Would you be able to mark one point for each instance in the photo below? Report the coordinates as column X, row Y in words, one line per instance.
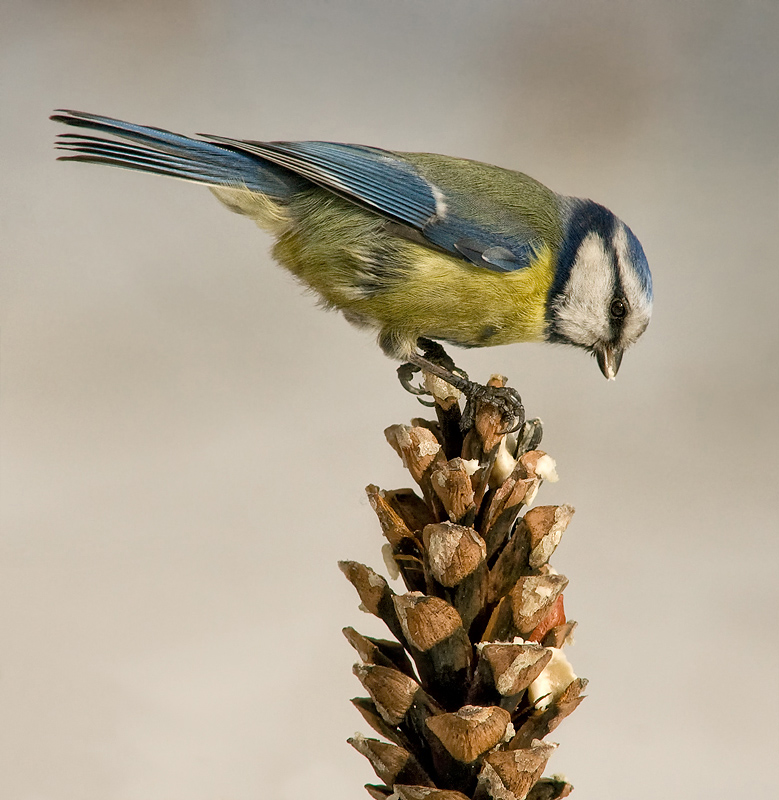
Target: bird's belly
column 447, row 298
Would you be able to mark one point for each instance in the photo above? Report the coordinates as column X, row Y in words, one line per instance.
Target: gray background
column 186, row 438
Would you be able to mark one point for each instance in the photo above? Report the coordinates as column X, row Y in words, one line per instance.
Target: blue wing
column 378, row 180
column 388, row 185
column 367, row 175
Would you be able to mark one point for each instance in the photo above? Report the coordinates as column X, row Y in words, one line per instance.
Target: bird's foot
column 505, row 399
column 437, row 362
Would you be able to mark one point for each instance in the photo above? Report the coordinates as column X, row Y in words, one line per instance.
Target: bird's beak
column 609, row 359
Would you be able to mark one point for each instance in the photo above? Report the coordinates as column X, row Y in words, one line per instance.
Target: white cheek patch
column 583, row 317
column 639, row 302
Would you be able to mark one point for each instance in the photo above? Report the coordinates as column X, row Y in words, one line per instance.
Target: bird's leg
column 437, row 362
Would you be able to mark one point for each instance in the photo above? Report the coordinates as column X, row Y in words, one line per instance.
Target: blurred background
column 186, row 437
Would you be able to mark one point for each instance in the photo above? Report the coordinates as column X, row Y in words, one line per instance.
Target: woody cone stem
column 475, row 677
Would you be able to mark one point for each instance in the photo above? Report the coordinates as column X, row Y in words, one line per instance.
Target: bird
column 424, row 249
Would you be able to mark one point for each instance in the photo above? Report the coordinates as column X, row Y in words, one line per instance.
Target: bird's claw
column 406, row 374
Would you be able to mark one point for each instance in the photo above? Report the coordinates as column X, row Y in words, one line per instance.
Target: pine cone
column 475, row 677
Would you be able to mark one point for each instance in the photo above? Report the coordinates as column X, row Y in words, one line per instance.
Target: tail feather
column 165, row 153
column 93, row 150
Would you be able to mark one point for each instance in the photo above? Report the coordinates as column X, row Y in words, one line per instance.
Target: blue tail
column 164, row 153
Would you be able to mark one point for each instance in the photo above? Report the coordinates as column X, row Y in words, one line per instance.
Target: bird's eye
column 619, row 308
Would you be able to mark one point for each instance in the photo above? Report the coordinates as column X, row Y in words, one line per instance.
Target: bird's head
column 601, row 296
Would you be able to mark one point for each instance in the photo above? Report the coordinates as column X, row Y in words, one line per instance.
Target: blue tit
column 415, row 246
